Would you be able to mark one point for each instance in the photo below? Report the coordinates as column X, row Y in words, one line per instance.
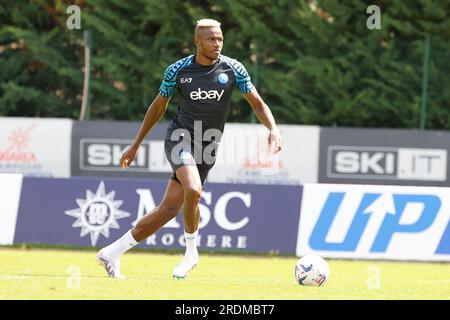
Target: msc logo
column 97, row 213
column 368, row 221
column 386, row 163
column 217, row 213
column 203, row 95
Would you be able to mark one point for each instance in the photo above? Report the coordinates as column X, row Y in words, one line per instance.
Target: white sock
column 120, row 246
column 191, row 243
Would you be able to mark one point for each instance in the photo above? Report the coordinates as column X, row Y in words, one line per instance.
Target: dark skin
column 187, row 192
column 209, row 43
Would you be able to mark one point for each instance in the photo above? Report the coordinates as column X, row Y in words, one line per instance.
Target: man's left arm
column 265, row 116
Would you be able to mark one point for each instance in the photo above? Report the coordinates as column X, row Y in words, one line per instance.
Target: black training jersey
column 205, row 91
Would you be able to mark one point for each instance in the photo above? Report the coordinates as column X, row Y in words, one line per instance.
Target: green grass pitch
column 74, row 274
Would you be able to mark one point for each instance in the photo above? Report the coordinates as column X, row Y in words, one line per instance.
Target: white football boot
column 112, row 266
column 186, row 264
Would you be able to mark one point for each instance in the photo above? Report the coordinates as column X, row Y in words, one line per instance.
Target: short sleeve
column 169, row 82
column 243, row 80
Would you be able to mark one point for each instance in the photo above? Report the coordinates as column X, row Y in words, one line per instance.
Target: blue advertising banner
column 375, row 222
column 95, row 212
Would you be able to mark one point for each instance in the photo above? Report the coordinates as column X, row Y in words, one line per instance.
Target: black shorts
column 183, row 155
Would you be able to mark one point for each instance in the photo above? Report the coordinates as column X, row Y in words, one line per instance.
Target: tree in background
column 314, row 62
column 40, row 63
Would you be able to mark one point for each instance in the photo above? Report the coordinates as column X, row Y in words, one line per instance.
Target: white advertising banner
column 375, row 222
column 10, row 189
column 35, row 146
column 244, row 157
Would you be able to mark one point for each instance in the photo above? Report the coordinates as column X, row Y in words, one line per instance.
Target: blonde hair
column 207, row 23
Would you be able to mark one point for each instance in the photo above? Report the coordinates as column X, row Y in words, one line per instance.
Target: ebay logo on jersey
column 200, row 94
column 379, row 222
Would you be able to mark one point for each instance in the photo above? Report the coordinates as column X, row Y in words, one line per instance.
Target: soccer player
column 204, row 82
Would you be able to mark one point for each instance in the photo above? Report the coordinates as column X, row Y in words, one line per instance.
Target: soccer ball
column 311, row 270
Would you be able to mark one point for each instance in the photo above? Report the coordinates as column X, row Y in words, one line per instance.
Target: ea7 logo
column 375, row 221
column 186, row 80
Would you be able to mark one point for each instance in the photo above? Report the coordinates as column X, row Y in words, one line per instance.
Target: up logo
column 375, row 221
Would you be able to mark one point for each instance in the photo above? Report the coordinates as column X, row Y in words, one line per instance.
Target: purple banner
column 95, row 212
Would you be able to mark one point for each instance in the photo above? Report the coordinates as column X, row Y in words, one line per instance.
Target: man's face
column 209, row 42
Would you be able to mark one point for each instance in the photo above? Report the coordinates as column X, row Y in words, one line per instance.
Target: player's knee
column 193, row 192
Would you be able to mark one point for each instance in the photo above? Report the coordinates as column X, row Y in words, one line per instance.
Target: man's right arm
column 154, row 112
column 152, row 116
